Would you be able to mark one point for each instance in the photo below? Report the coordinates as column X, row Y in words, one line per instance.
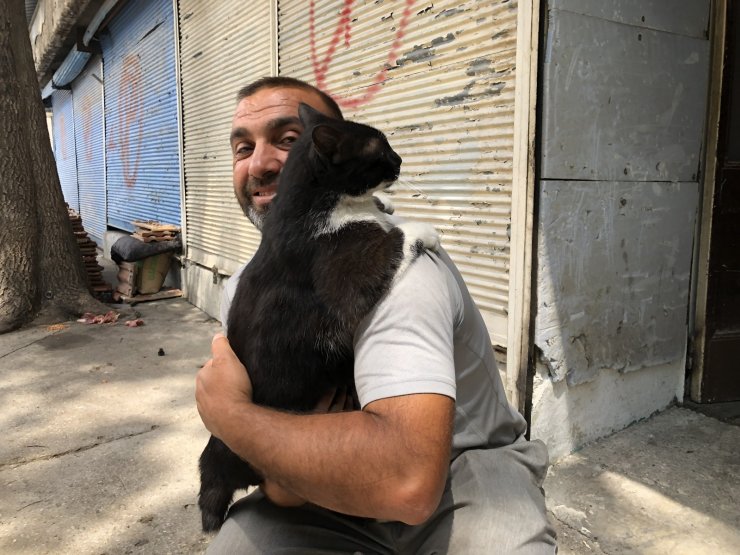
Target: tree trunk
column 41, row 268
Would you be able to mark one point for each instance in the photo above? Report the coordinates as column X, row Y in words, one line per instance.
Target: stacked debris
column 89, row 250
column 154, row 231
column 143, row 262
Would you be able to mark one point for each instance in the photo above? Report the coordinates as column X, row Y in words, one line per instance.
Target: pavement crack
column 31, row 504
column 21, row 462
column 27, row 344
column 579, row 531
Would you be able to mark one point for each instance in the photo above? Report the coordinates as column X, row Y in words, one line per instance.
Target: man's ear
column 326, row 142
column 308, row 115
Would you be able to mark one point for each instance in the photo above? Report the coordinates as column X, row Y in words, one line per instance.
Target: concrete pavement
column 102, row 436
column 102, row 439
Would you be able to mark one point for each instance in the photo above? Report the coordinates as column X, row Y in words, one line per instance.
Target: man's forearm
column 363, row 463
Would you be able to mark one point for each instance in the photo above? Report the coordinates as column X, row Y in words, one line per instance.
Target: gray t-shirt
column 427, row 336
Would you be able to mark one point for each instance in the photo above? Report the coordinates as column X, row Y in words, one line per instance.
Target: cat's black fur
column 301, row 297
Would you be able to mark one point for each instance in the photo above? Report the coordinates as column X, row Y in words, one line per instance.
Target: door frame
column 519, row 346
column 700, row 277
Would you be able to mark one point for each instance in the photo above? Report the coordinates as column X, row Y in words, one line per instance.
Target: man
column 435, row 462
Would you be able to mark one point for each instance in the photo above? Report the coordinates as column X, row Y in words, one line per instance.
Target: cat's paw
column 383, row 202
column 418, row 236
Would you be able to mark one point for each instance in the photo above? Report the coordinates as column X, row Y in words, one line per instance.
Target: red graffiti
column 61, row 126
column 87, row 127
column 344, row 26
column 130, row 127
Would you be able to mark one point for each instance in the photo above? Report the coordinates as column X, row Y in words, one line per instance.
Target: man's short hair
column 281, row 82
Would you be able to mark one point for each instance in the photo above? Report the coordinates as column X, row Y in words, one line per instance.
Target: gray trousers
column 493, row 503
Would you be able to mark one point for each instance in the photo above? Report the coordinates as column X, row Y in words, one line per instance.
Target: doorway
column 716, row 376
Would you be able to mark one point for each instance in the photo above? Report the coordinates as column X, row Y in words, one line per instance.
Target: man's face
column 264, row 128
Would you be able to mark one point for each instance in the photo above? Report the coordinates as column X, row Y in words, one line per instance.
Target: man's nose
column 264, row 161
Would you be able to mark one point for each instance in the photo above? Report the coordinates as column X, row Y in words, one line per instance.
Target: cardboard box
column 151, row 271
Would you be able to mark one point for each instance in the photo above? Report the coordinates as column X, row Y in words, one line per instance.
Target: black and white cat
column 328, row 255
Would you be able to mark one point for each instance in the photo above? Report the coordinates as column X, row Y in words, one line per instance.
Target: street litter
column 109, row 317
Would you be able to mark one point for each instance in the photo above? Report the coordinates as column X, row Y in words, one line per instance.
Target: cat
column 329, row 252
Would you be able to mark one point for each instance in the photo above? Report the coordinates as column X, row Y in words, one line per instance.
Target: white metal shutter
column 222, row 48
column 446, row 103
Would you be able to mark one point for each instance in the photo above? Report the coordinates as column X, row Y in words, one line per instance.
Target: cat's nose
column 395, row 158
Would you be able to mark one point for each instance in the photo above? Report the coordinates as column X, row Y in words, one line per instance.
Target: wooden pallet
column 155, row 226
column 154, row 236
column 135, row 299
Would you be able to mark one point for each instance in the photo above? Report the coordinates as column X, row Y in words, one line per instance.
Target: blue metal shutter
column 141, row 128
column 88, row 111
column 64, row 145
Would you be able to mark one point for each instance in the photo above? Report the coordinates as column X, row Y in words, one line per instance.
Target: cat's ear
column 326, row 141
column 308, row 115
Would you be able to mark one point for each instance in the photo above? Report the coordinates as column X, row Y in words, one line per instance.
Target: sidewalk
column 102, row 439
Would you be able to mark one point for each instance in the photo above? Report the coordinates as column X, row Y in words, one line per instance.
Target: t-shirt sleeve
column 405, row 345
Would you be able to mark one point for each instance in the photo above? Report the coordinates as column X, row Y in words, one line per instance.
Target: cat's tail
column 221, row 473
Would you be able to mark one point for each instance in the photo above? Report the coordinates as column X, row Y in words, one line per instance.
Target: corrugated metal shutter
column 63, row 124
column 141, row 128
column 219, row 54
column 89, row 142
column 446, row 102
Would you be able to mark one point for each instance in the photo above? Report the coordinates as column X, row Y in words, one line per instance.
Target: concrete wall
column 201, row 290
column 53, row 31
column 624, row 96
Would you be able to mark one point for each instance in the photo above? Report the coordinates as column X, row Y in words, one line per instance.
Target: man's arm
column 388, row 461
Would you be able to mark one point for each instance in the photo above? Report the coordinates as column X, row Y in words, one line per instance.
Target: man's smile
column 263, row 195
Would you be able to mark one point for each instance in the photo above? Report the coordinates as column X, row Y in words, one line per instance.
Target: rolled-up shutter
column 63, row 125
column 220, row 52
column 88, row 107
column 141, row 127
column 438, row 78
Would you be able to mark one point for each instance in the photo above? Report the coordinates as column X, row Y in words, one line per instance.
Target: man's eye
column 243, row 150
column 288, row 140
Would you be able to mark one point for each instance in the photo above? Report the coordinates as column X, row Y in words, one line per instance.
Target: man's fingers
column 220, row 346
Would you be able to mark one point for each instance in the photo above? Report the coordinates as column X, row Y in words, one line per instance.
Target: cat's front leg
column 417, row 236
column 383, row 202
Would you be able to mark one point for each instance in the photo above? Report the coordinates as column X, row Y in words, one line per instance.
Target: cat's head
column 348, row 157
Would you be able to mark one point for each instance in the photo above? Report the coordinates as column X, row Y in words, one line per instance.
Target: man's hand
column 221, row 386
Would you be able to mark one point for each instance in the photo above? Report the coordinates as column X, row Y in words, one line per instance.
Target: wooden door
column 721, row 365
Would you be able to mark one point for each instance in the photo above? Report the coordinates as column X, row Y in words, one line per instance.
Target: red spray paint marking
column 344, row 25
column 87, row 127
column 129, row 115
column 62, row 127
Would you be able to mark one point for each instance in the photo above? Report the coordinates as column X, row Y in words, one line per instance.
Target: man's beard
column 257, row 217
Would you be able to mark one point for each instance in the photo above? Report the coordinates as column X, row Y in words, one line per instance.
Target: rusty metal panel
column 89, row 139
column 614, row 266
column 142, row 149
column 691, row 18
column 63, row 125
column 621, row 102
column 438, row 78
column 219, row 54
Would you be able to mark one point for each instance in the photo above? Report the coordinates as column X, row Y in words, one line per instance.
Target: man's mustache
column 255, row 182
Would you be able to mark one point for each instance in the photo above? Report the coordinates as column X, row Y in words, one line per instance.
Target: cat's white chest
column 353, row 209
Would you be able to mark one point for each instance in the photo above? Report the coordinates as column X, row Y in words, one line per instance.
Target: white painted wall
column 623, row 116
column 201, row 291
column 566, row 418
